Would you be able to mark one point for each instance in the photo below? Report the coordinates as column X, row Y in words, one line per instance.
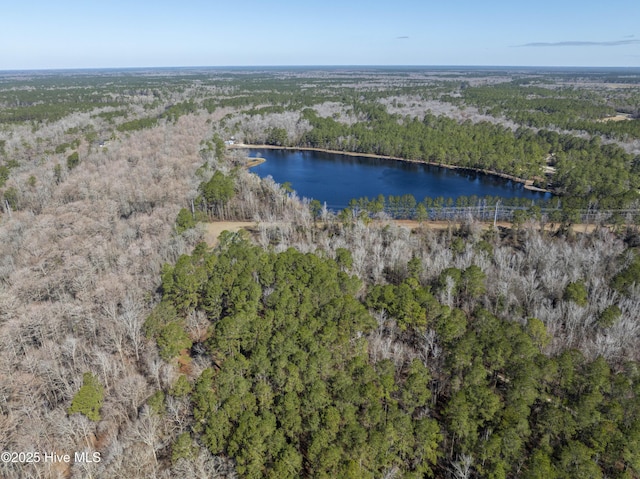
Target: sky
column 43, row 34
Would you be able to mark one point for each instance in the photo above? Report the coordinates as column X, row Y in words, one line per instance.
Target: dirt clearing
column 213, row 230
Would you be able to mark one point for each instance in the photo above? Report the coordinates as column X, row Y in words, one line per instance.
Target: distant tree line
column 565, row 108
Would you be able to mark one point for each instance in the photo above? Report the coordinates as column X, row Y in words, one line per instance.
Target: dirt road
column 213, row 230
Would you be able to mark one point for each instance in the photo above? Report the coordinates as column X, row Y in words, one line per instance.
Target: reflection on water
column 336, row 179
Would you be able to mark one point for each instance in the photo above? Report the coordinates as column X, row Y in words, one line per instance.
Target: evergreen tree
column 88, row 400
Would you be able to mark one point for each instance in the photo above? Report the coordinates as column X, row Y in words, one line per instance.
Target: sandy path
column 213, row 230
column 443, row 225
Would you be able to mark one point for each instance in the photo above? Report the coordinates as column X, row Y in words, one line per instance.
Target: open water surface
column 336, row 179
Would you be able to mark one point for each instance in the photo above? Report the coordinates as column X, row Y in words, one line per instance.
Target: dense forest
column 297, row 386
column 316, row 343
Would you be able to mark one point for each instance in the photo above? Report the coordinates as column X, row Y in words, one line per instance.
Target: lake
column 336, row 179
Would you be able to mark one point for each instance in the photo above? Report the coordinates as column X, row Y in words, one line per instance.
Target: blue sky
column 37, row 34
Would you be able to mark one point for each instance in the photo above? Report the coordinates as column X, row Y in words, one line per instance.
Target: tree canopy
column 292, row 388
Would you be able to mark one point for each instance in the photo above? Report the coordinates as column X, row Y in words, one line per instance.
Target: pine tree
column 88, row 400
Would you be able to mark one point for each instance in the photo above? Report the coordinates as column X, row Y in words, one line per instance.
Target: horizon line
column 309, row 66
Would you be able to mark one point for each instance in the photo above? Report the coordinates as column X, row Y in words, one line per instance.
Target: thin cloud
column 401, row 38
column 614, row 43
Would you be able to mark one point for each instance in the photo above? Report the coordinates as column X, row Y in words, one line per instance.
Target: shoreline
column 527, row 184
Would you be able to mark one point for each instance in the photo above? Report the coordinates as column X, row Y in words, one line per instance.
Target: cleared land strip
column 213, row 230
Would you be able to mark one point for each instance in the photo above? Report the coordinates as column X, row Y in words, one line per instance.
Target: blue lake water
column 336, row 179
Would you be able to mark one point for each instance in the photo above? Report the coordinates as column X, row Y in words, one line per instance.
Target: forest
column 316, row 343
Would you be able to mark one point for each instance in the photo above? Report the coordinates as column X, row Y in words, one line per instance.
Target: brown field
column 618, row 117
column 213, row 230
